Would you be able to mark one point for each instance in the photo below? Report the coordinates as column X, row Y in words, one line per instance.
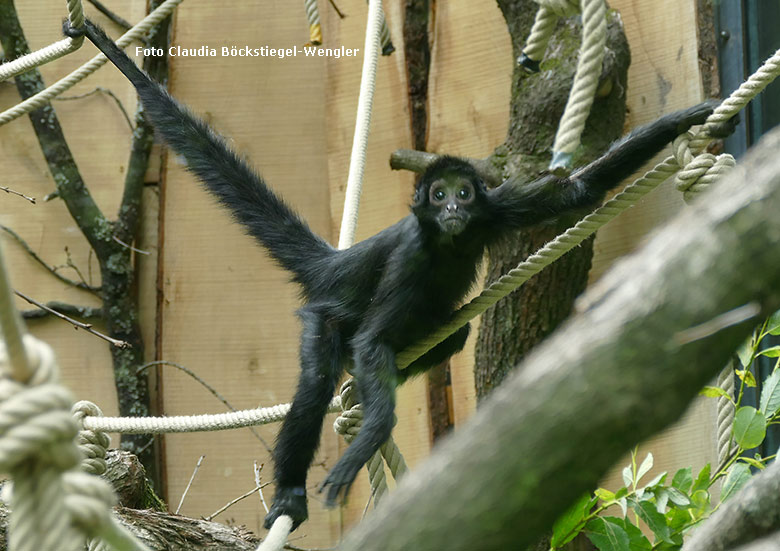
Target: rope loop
column 93, row 444
column 697, row 171
column 350, row 419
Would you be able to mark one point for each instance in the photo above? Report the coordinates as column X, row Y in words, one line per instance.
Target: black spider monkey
column 374, row 299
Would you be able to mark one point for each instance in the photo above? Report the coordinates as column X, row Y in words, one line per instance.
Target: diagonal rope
column 51, row 52
column 588, row 225
column 45, row 96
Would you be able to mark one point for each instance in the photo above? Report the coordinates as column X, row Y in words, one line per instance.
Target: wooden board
column 228, row 313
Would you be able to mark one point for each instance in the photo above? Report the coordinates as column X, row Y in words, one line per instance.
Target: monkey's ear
column 420, row 194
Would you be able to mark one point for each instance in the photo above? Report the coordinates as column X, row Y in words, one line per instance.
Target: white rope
column 586, row 78
column 45, row 96
column 357, row 163
column 51, row 52
column 195, row 423
column 277, row 535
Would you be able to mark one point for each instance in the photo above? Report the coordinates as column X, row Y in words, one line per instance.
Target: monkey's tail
column 228, row 177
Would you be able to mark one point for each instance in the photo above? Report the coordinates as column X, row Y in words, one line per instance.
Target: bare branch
column 52, row 269
column 208, row 387
column 139, row 251
column 83, row 312
column 100, row 90
column 418, row 161
column 234, row 501
column 189, row 484
column 111, row 15
column 75, row 323
column 22, row 195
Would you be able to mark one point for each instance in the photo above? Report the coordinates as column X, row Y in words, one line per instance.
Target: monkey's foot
column 336, row 485
column 290, row 501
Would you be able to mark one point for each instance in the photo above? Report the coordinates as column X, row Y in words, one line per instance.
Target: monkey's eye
column 439, row 195
column 464, row 193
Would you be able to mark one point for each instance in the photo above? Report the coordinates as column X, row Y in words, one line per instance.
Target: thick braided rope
column 594, row 42
column 51, row 52
column 348, row 425
column 726, row 413
column 588, row 225
column 12, row 330
column 313, row 17
column 45, row 96
column 54, row 505
column 194, row 423
column 357, row 164
column 544, row 25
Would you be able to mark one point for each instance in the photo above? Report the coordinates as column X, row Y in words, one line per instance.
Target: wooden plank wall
column 227, row 313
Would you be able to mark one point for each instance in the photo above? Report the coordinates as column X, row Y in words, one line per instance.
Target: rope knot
column 93, row 444
column 35, row 421
column 697, row 172
column 561, row 8
column 350, row 420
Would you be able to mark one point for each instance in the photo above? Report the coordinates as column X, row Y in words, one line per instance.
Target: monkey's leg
column 300, row 433
column 376, row 378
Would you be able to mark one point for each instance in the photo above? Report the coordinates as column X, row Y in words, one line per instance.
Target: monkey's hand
column 336, row 485
column 290, row 501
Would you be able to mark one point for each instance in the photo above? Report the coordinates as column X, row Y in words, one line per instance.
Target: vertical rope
column 313, row 16
column 12, row 329
column 594, row 42
column 357, row 165
column 725, row 415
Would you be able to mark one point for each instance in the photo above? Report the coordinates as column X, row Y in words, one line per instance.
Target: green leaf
column 702, row 479
column 747, row 376
column 773, row 352
column 607, row 536
column 628, row 475
column 604, row 495
column 753, row 463
column 622, row 492
column 636, row 539
column 745, row 352
column 623, row 502
column 749, row 427
column 677, row 497
column 739, row 474
column 770, row 394
column 661, row 499
column 654, row 520
column 683, row 480
column 773, row 325
column 567, row 525
column 714, row 392
column 646, row 465
column 659, row 479
column 700, row 500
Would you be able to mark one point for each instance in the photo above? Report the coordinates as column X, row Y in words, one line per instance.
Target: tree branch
column 418, row 161
column 75, row 323
column 51, row 269
column 83, row 312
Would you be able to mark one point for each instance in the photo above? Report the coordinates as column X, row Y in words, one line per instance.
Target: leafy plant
column 669, row 510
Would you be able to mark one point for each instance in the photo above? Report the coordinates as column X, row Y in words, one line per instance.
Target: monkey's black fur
column 376, row 298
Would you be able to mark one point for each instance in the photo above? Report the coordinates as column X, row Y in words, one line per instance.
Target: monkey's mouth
column 452, row 224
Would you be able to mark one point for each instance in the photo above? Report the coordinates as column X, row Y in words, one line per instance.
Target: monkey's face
column 451, row 199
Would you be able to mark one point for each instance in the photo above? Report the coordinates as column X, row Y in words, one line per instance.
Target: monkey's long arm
column 522, row 205
column 224, row 174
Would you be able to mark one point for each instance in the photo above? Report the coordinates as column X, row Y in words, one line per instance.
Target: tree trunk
column 520, row 321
